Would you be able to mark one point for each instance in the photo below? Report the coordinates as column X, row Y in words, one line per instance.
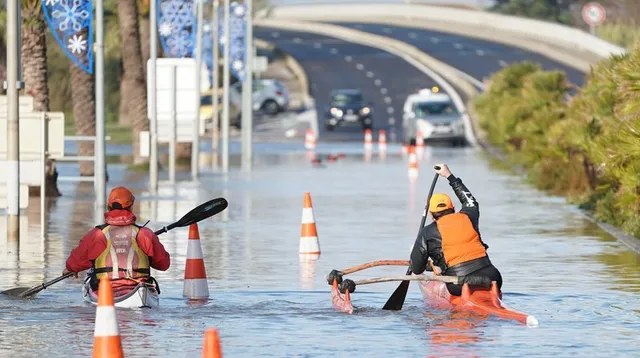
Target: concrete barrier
column 568, row 45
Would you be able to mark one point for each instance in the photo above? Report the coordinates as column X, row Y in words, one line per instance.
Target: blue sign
column 71, row 23
column 207, row 48
column 177, row 27
column 237, row 48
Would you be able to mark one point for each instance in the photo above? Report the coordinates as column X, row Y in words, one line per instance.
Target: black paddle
column 395, row 302
column 204, row 211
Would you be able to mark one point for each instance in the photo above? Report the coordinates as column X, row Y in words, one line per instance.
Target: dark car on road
column 348, row 107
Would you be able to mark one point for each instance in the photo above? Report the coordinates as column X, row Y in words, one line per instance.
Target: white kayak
column 143, row 295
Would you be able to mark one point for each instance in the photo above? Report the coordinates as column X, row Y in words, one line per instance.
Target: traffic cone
column 310, row 139
column 211, row 348
column 195, row 276
column 413, row 165
column 309, row 245
column 368, row 139
column 382, row 140
column 419, row 145
column 106, row 336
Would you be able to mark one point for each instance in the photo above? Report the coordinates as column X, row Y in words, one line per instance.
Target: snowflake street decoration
column 207, row 48
column 71, row 23
column 177, row 27
column 237, row 29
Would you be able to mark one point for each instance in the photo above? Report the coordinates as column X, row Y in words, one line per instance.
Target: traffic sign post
column 593, row 14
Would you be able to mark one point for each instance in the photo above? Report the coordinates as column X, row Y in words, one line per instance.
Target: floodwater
column 580, row 283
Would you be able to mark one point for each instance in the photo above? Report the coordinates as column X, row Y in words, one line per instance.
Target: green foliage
column 549, row 10
column 620, row 33
column 587, row 148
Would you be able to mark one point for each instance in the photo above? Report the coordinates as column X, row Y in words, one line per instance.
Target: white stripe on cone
column 309, row 245
column 307, row 216
column 196, row 288
column 106, row 322
column 194, row 249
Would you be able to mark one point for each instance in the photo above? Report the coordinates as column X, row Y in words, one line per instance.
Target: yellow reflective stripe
column 101, row 261
column 114, row 257
column 143, row 259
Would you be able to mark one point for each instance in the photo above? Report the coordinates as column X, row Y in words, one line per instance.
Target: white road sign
column 593, row 13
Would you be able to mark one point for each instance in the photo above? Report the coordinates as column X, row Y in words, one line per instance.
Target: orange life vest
column 460, row 241
column 122, row 258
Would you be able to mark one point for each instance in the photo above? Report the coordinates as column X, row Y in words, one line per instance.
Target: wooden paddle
column 447, row 279
column 395, row 302
column 204, row 211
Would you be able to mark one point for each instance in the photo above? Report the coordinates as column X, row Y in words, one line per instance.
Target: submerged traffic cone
column 211, row 348
column 195, row 276
column 106, row 336
column 382, row 140
column 413, row 165
column 309, row 245
column 368, row 139
column 310, row 139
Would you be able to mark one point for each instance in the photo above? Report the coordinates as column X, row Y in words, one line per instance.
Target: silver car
column 437, row 118
column 269, row 95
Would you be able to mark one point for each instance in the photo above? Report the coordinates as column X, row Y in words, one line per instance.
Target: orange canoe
column 480, row 300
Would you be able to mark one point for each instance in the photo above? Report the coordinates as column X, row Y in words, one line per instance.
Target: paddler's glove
column 334, row 275
column 347, row 285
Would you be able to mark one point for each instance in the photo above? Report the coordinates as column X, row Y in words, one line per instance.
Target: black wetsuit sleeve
column 427, row 245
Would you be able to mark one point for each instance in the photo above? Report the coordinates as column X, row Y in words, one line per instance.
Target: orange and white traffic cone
column 310, row 139
column 413, row 165
column 368, row 139
column 211, row 348
column 106, row 335
column 309, row 248
column 382, row 140
column 419, row 144
column 195, row 275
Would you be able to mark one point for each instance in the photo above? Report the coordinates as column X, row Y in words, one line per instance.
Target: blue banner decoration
column 177, row 27
column 71, row 23
column 237, row 49
column 207, row 48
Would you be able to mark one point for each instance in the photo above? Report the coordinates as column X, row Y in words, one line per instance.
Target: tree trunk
column 84, row 112
column 183, row 152
column 133, row 73
column 125, row 98
column 35, row 76
column 145, row 41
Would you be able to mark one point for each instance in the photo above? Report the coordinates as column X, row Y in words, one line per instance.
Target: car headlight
column 336, row 112
column 365, row 110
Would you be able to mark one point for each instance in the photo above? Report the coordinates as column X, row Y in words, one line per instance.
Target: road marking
column 387, row 100
column 317, row 45
column 377, row 82
column 387, row 30
column 458, row 46
column 479, row 52
column 383, row 90
column 369, row 74
column 413, row 35
column 390, row 110
column 392, row 121
column 297, row 40
column 275, row 34
column 358, row 26
column 435, row 40
column 503, row 63
column 334, row 50
column 360, row 66
column 348, row 58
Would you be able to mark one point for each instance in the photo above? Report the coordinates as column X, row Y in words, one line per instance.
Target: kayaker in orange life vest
column 452, row 241
column 119, row 249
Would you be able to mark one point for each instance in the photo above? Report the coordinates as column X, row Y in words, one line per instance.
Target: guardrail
column 556, row 34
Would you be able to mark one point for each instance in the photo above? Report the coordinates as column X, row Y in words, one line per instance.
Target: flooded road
column 580, row 283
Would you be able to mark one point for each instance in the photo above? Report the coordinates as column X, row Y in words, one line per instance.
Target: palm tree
column 133, row 81
column 143, row 9
column 34, row 54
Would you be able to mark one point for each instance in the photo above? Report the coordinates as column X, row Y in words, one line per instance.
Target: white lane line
column 369, row 74
column 297, row 40
column 413, row 35
column 334, row 50
column 387, row 30
column 360, row 66
column 387, row 100
column 392, row 121
column 383, row 90
column 390, row 110
column 317, row 45
column 348, row 58
column 458, row 46
column 503, row 63
column 275, row 34
column 435, row 40
column 480, row 52
column 377, row 82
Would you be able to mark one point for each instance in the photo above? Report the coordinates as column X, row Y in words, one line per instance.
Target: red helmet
column 120, row 198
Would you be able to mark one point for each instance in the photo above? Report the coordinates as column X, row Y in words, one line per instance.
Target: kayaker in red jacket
column 452, row 241
column 119, row 249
